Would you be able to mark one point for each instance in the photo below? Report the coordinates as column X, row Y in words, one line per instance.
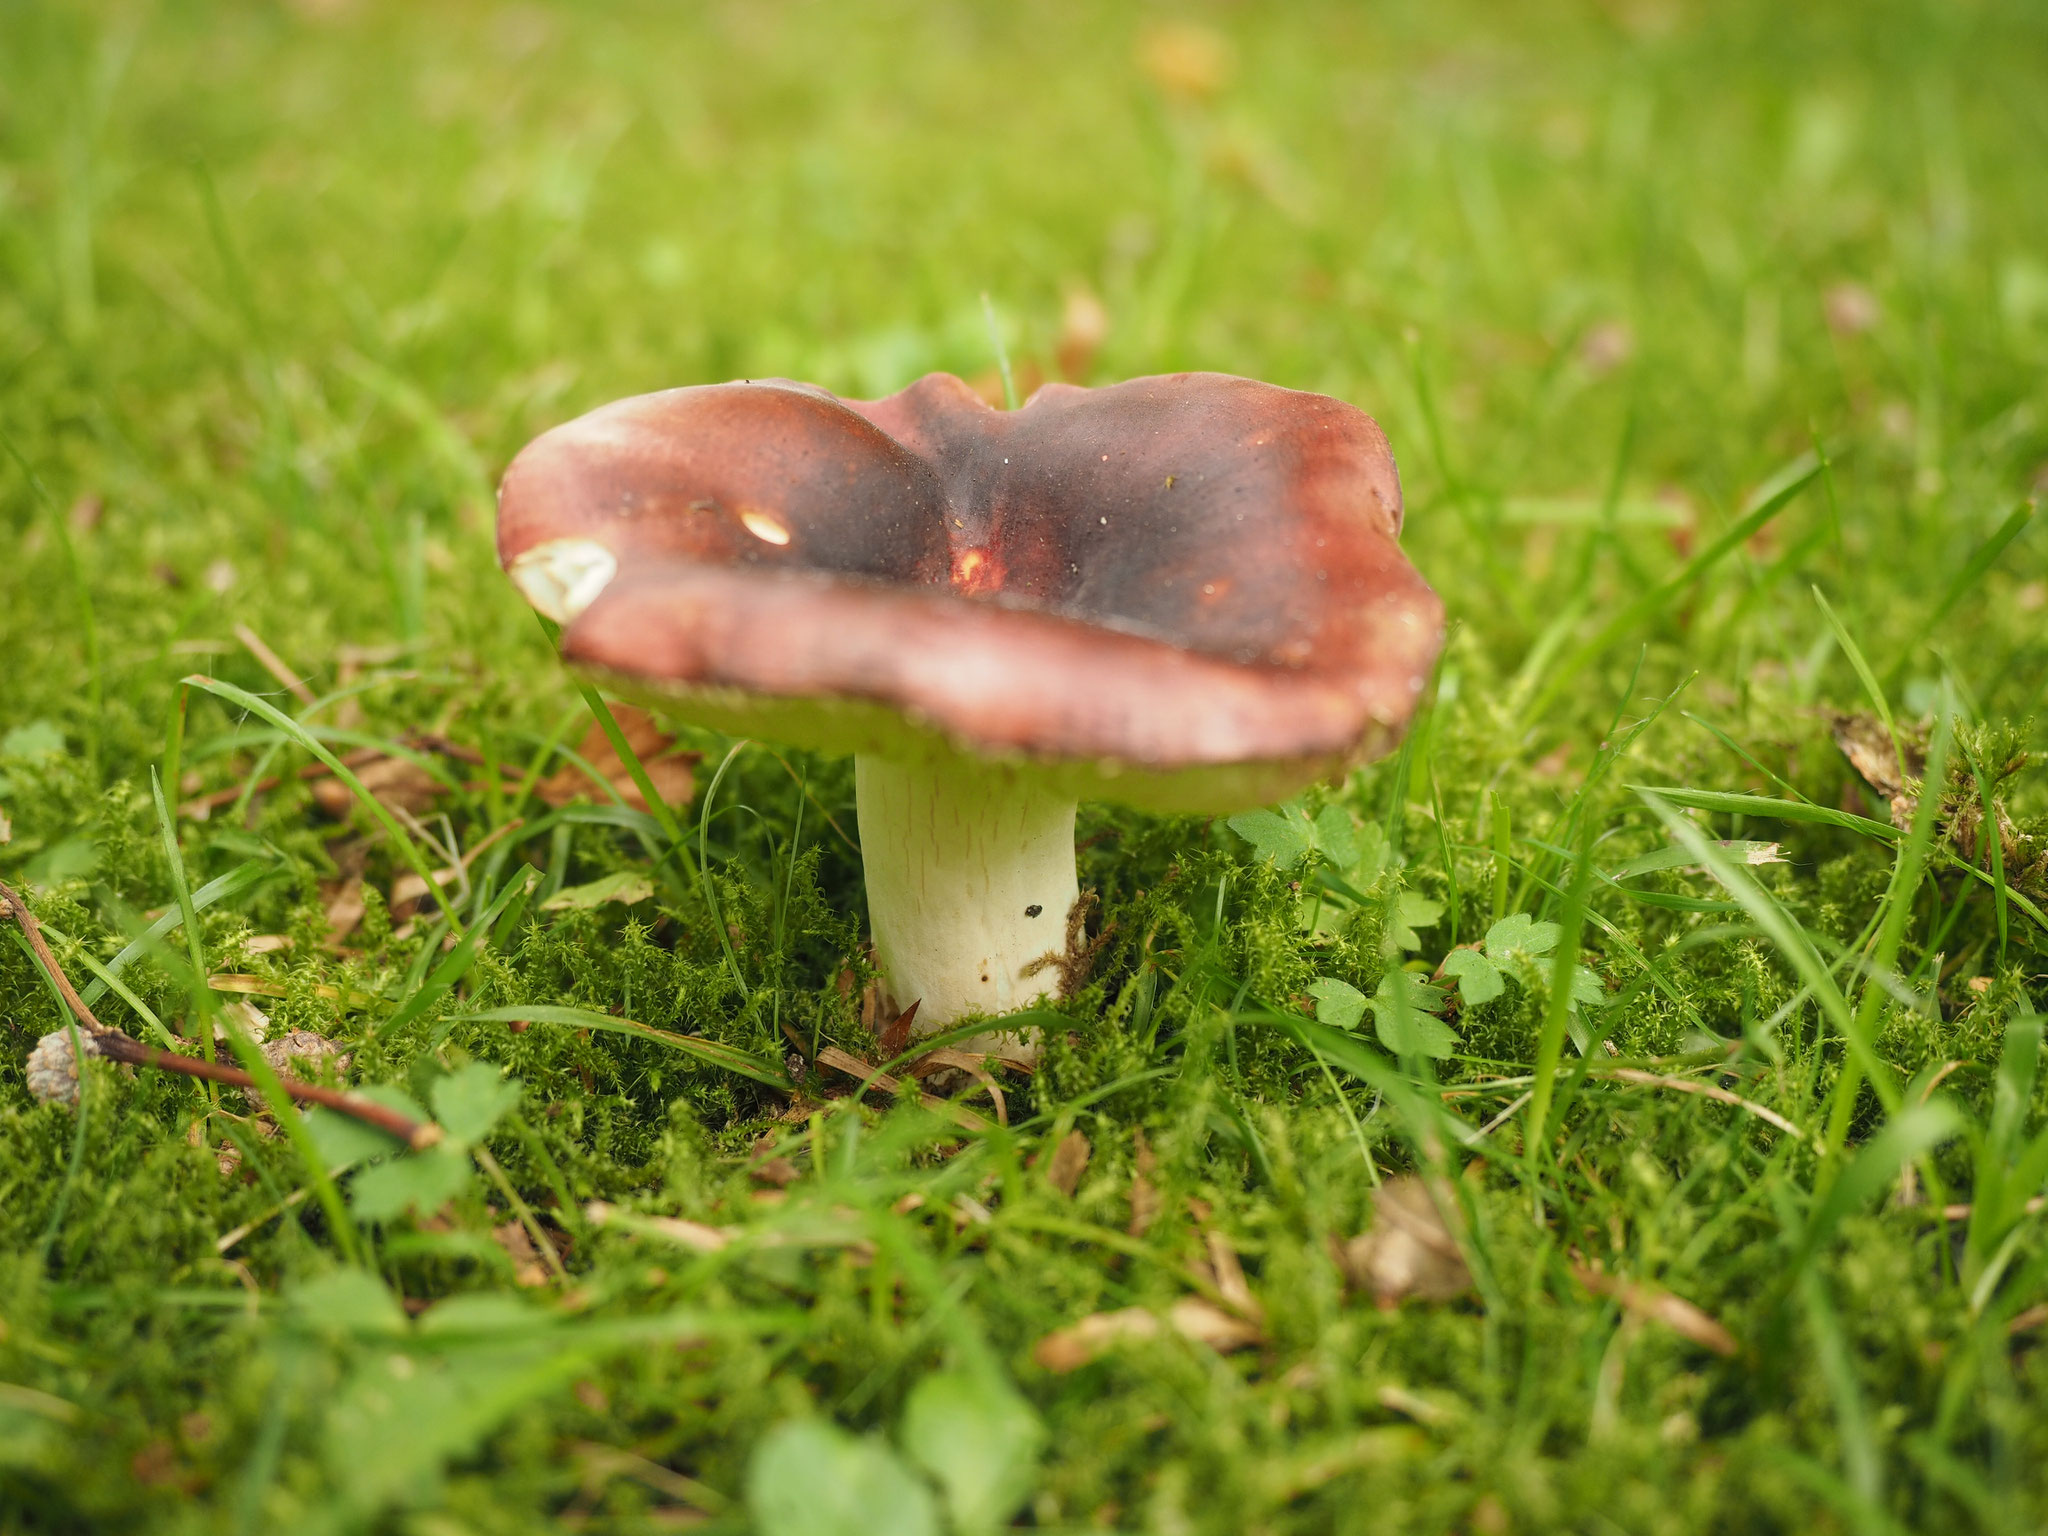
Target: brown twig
column 117, row 1046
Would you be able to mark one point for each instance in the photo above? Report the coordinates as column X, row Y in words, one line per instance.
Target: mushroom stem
column 970, row 875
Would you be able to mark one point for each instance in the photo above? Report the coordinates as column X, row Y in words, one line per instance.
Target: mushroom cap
column 1183, row 592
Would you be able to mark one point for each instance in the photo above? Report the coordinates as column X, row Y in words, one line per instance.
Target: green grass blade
column 1779, row 494
column 1981, row 560
column 718, row 1054
column 1872, row 689
column 1791, row 940
column 1736, row 804
column 237, row 880
column 1550, row 1043
column 1896, row 909
column 400, row 839
column 252, row 1060
column 458, row 961
column 106, row 981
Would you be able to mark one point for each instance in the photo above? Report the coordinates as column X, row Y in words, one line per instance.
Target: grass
column 1712, row 342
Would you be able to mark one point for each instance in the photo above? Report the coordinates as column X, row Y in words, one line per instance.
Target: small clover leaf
column 978, row 1440
column 1286, row 834
column 811, row 1478
column 469, row 1101
column 1336, row 836
column 422, row 1181
column 1520, row 933
column 1283, row 834
column 1587, row 988
column 1401, row 1012
column 1410, row 912
column 1338, row 1003
column 1479, row 979
column 1373, row 858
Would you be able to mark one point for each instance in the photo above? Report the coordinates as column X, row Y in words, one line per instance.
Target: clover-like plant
column 1515, row 949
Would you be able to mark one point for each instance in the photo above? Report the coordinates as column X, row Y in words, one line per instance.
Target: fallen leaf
column 1871, row 751
column 527, row 1269
column 1146, row 1200
column 1230, row 1281
column 1850, row 309
column 673, row 773
column 945, row 1060
column 395, row 781
column 1070, row 1348
column 779, row 1171
column 626, row 888
column 1069, row 1162
column 408, row 890
column 1408, row 1252
column 895, row 1035
column 1207, row 1323
column 687, row 1234
column 242, row 1015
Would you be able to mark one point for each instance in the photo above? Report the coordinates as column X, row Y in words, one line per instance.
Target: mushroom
column 1183, row 593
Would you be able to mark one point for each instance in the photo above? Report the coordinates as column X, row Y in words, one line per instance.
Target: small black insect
column 1033, row 910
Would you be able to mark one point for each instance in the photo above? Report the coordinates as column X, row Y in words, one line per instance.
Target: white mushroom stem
column 970, row 876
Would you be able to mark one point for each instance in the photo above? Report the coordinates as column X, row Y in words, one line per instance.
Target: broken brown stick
column 118, row 1046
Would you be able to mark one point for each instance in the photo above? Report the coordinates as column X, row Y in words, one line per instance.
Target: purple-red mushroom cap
column 1182, row 592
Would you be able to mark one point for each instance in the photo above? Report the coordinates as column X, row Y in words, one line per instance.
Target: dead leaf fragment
column 408, row 890
column 1070, row 1348
column 1146, row 1200
column 769, row 1169
column 397, row 782
column 685, row 1234
column 344, row 908
column 673, row 773
column 1659, row 1306
column 1207, row 1323
column 1069, row 1162
column 1408, row 1252
column 894, row 1035
column 527, row 1269
column 1851, row 309
column 1230, row 1281
column 1880, row 762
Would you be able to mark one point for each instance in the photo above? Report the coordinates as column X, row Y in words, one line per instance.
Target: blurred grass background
column 283, row 286
column 314, row 273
